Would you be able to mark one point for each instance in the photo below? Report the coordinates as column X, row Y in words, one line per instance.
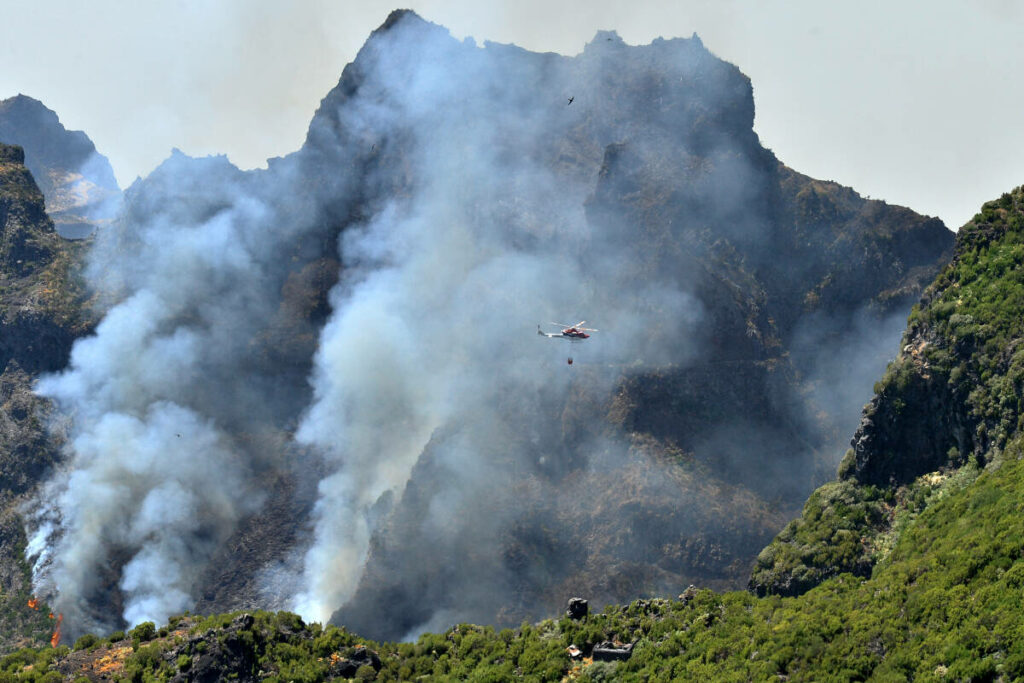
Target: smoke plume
column 157, row 398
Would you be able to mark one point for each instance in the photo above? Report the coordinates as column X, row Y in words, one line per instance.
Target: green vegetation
column 946, row 406
column 977, row 310
column 943, row 604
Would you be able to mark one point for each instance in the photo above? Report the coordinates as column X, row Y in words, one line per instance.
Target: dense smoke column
column 431, row 286
column 156, row 477
column 433, row 323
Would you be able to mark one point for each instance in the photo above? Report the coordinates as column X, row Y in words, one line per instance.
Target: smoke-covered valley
column 319, row 386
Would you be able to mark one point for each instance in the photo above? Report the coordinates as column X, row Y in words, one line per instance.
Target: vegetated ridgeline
column 942, row 533
column 41, row 313
column 951, row 399
column 382, row 414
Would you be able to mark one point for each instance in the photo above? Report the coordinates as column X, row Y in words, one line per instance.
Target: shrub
column 86, row 641
column 142, row 633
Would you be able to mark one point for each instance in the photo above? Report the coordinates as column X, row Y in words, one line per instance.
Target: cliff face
column 950, row 401
column 40, row 308
column 77, row 182
column 40, row 316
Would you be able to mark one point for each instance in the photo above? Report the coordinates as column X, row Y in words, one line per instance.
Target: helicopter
column 573, row 333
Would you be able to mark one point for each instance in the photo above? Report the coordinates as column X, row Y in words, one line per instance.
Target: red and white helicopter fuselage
column 571, row 333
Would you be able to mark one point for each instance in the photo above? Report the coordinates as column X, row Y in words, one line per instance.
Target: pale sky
column 918, row 103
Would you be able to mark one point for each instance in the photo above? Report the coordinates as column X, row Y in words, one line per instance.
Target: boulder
column 577, row 609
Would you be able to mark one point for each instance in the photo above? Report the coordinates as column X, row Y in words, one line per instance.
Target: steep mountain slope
column 319, row 386
column 950, row 400
column 40, row 315
column 77, row 182
column 942, row 601
column 729, row 411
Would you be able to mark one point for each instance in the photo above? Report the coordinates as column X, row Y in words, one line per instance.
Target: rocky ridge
column 783, row 268
column 41, row 313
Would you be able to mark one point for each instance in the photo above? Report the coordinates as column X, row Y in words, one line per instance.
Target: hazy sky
column 918, row 103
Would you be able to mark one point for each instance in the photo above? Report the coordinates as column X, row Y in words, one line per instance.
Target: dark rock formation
column 348, row 667
column 925, row 419
column 608, row 651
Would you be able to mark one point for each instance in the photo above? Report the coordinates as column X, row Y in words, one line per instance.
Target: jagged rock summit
column 76, row 180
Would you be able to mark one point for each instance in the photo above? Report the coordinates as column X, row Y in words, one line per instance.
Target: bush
column 142, row 633
column 86, row 641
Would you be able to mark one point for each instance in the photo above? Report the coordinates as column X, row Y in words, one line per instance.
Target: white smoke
column 434, row 315
column 153, row 484
column 183, row 486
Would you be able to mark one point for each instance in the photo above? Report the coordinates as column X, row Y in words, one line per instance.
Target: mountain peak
column 602, row 37
column 398, row 15
column 23, row 104
column 76, row 180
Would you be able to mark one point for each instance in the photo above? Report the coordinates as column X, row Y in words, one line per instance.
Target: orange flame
column 33, row 603
column 55, row 638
